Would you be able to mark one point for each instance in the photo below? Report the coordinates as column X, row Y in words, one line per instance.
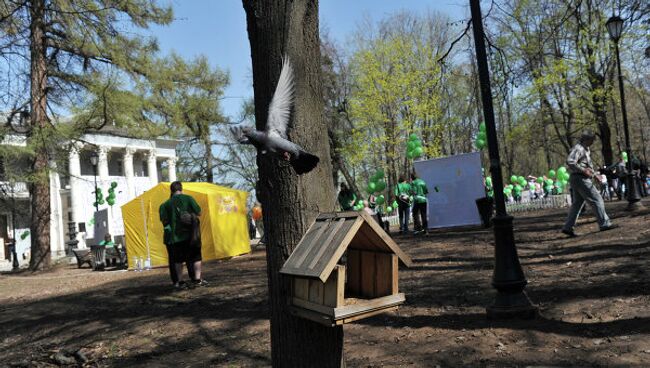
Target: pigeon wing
column 280, row 107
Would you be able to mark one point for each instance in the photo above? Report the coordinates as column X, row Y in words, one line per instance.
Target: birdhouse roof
column 329, row 237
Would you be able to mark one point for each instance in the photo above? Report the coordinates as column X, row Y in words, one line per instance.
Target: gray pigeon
column 274, row 139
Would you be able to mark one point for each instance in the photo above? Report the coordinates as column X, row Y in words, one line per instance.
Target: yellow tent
column 224, row 229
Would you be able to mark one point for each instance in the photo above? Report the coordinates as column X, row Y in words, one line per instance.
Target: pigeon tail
column 305, row 163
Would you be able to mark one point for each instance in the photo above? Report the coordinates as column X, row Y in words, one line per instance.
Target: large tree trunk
column 40, row 188
column 277, row 29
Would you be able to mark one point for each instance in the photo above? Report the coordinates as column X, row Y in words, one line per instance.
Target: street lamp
column 94, row 159
column 508, row 278
column 615, row 29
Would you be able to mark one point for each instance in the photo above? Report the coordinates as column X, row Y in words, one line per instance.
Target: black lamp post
column 508, row 278
column 615, row 29
column 94, row 159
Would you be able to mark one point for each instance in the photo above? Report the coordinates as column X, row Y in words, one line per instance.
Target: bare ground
column 593, row 293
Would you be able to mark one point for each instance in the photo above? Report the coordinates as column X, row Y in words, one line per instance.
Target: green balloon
column 480, row 144
column 417, row 152
column 549, row 182
column 110, row 201
column 24, row 235
column 540, row 179
column 561, row 169
column 394, row 204
column 481, row 127
column 389, row 209
column 371, row 187
column 380, row 200
column 409, row 154
column 488, row 181
column 101, row 201
column 413, row 137
column 551, row 174
column 513, row 179
column 114, row 184
column 410, row 146
column 624, row 156
column 380, row 186
column 482, row 135
column 380, row 173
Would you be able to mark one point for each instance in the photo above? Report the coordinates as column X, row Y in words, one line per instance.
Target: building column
column 102, row 164
column 76, row 196
column 57, row 244
column 128, row 172
column 103, row 184
column 171, row 168
column 152, row 167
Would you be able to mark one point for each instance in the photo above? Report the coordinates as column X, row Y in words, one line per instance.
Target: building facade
column 134, row 165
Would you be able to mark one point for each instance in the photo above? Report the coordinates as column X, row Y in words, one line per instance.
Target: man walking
column 582, row 170
column 420, row 191
column 179, row 215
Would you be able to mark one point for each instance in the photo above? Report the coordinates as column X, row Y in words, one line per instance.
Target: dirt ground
column 593, row 293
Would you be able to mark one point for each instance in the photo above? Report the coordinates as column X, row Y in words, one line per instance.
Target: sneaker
column 181, row 285
column 609, row 227
column 201, row 282
column 570, row 233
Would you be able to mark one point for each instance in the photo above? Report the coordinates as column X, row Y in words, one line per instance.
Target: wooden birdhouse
column 345, row 268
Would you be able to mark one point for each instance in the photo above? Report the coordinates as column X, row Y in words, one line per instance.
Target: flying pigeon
column 274, row 139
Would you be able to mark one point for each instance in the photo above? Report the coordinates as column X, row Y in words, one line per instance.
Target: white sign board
column 454, row 183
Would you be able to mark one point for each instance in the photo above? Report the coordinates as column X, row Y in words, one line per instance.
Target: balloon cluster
column 481, row 137
column 376, row 184
column 519, row 183
column 99, row 196
column 414, row 147
column 488, row 186
column 561, row 179
column 111, row 194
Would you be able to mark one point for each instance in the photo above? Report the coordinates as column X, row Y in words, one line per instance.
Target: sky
column 217, row 29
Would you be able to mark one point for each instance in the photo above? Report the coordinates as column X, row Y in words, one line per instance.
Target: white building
column 134, row 164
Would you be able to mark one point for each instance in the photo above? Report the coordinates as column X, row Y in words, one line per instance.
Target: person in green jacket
column 177, row 236
column 419, row 191
column 346, row 198
column 403, row 195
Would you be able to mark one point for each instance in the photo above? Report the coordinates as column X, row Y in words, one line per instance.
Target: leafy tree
column 59, row 48
column 184, row 96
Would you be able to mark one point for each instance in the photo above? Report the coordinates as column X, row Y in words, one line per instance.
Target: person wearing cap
column 582, row 171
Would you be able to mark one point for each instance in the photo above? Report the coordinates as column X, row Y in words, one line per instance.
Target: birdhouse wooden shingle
column 344, row 268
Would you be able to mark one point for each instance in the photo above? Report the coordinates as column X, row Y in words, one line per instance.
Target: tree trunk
column 209, row 160
column 40, row 188
column 277, row 29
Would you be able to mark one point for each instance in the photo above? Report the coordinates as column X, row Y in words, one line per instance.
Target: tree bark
column 40, row 188
column 276, row 29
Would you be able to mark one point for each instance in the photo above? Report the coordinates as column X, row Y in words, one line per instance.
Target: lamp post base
column 512, row 306
column 633, row 195
column 634, row 206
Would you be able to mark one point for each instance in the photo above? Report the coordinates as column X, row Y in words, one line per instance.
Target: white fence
column 550, row 201
column 526, row 205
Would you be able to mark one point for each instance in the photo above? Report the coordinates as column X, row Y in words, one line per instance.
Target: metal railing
column 550, row 201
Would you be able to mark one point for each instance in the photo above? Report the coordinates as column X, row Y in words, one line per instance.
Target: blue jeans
column 403, row 212
column 585, row 191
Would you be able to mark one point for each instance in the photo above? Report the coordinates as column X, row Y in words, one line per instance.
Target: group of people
column 410, row 195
